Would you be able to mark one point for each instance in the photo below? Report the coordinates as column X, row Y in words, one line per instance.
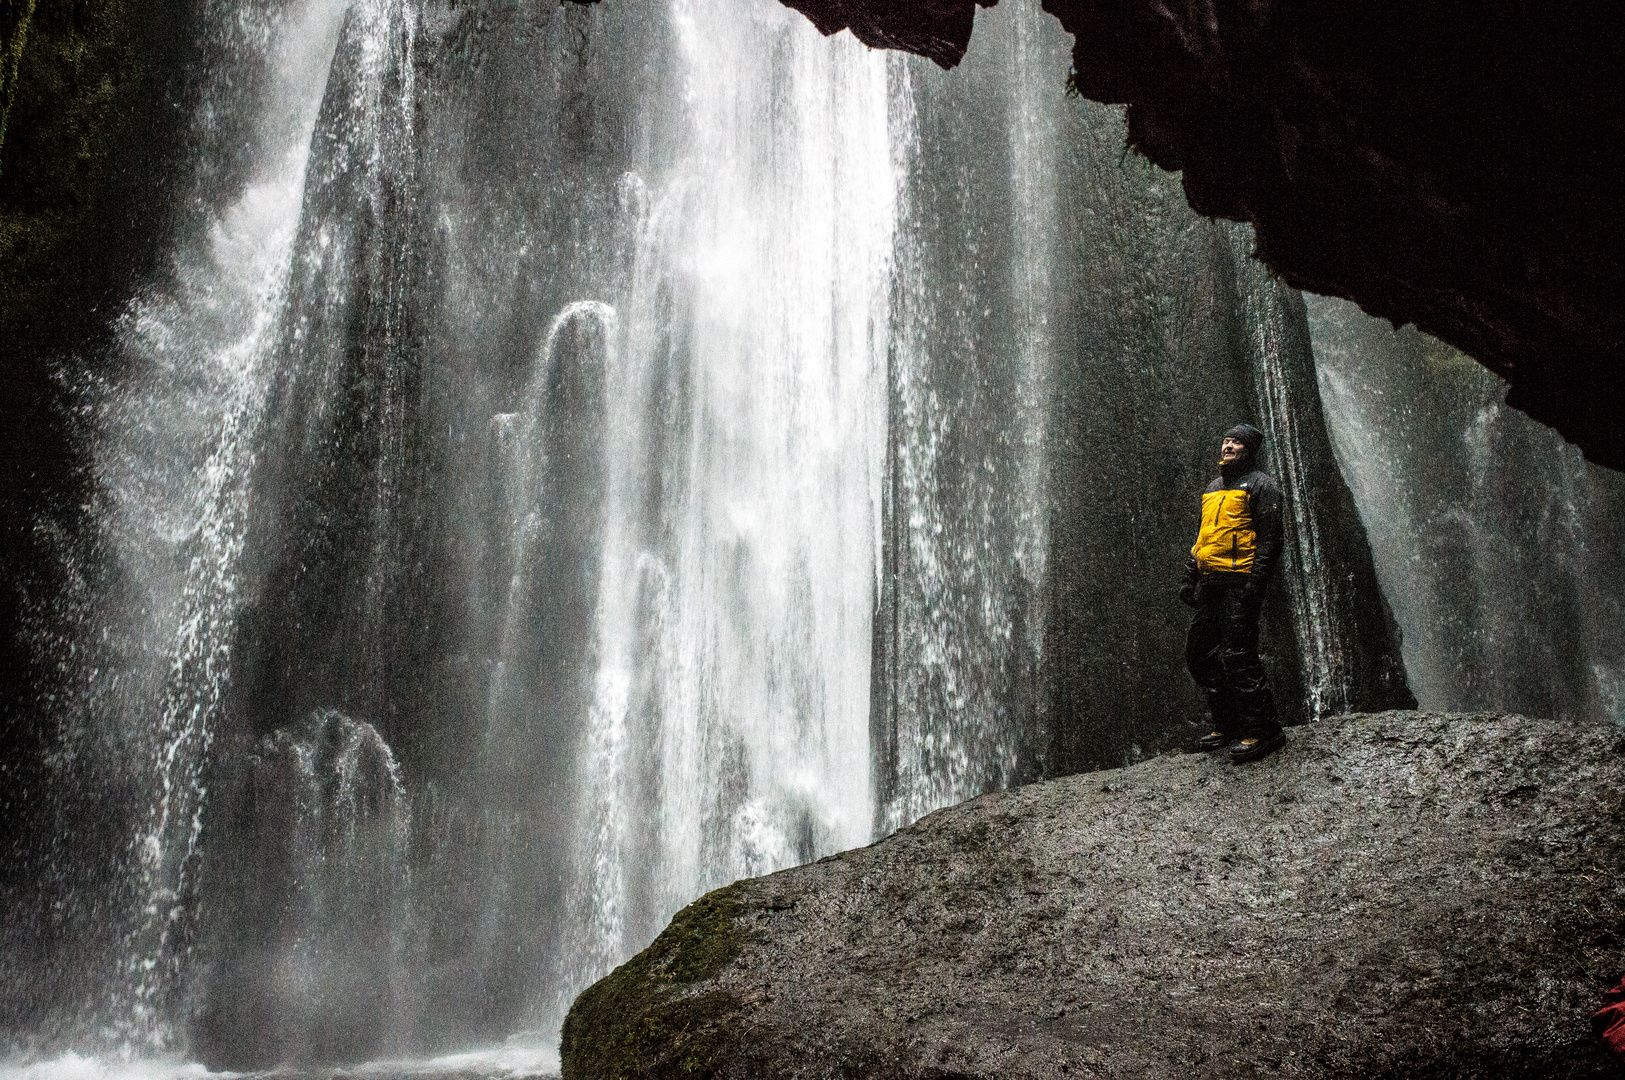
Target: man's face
column 1232, row 449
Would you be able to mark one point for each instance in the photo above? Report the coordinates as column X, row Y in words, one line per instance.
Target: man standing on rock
column 1236, row 551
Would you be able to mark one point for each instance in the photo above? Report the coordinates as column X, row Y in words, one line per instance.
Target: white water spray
column 175, row 457
column 728, row 732
column 1315, row 612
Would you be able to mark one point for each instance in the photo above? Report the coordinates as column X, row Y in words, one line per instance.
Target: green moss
column 1445, row 363
column 15, row 16
column 643, row 1020
column 82, row 128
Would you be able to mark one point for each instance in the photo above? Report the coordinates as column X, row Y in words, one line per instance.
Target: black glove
column 1190, row 592
column 1253, row 591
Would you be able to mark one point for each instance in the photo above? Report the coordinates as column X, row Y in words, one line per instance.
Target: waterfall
column 174, row 452
column 1493, row 539
column 323, row 945
column 1346, row 641
column 1308, row 563
column 963, row 563
column 176, row 444
column 600, row 452
column 727, row 734
column 537, row 455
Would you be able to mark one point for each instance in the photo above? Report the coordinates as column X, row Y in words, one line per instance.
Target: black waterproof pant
column 1221, row 651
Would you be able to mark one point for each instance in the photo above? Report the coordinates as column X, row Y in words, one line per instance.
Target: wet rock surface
column 1394, row 894
column 1438, row 166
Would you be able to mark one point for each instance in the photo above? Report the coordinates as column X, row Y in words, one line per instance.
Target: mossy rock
column 14, row 18
column 669, row 1024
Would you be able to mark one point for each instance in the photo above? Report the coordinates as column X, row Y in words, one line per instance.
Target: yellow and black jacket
column 1241, row 526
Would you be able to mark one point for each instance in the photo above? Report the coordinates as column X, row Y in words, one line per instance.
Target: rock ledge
column 1394, row 895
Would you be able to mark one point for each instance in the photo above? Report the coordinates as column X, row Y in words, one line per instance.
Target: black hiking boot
column 1254, row 747
column 1214, row 739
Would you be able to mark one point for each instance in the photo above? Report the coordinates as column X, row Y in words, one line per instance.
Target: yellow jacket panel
column 1241, row 525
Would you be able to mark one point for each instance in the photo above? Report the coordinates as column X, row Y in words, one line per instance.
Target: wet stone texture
column 1394, row 895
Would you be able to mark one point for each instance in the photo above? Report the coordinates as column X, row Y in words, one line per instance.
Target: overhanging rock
column 1394, row 895
column 1447, row 165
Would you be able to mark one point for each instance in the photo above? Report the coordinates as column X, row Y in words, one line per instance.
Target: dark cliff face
column 936, row 29
column 1454, row 176
column 1157, row 331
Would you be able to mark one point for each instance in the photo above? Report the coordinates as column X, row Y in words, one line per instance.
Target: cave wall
column 15, row 16
column 1181, row 332
column 1069, row 341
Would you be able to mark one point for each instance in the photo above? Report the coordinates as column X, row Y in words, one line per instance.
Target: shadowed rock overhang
column 1452, row 166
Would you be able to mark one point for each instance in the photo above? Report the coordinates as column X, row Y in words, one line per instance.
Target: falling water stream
column 174, row 458
column 727, row 732
column 1271, row 326
column 1496, row 541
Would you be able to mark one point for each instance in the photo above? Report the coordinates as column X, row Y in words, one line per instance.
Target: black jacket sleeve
column 1265, row 503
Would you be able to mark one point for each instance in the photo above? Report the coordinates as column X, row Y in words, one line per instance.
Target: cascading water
column 605, row 452
column 1497, row 543
column 176, row 442
column 1276, row 339
column 325, row 802
column 1346, row 642
column 728, row 729
column 963, row 554
column 174, row 449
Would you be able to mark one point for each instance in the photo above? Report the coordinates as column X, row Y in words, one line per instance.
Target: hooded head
column 1250, row 439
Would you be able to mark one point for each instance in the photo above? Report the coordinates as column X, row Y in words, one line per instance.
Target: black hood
column 1248, row 436
column 1252, row 439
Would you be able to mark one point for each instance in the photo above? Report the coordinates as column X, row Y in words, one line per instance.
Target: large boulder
column 1393, row 895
